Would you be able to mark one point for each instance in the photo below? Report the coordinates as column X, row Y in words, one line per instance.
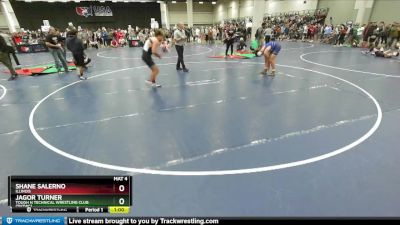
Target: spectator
column 56, row 50
column 6, row 49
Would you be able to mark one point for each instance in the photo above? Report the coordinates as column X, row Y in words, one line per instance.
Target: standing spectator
column 17, row 38
column 230, row 39
column 260, row 35
column 368, row 31
column 188, row 34
column 248, row 33
column 210, row 36
column 56, row 50
column 360, row 32
column 352, row 36
column 394, row 34
column 104, row 36
column 194, row 34
column 268, row 33
column 342, row 34
column 380, row 33
column 206, row 34
column 6, row 49
column 305, row 32
column 198, row 35
column 215, row 33
column 277, row 31
column 61, row 40
column 98, row 37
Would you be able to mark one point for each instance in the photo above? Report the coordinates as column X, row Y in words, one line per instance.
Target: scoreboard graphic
column 64, row 196
column 70, row 194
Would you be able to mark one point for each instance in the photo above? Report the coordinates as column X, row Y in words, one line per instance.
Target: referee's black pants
column 179, row 50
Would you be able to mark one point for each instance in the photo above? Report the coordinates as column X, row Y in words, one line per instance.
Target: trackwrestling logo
column 33, row 220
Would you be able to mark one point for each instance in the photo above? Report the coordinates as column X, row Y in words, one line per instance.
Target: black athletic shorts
column 79, row 59
column 146, row 57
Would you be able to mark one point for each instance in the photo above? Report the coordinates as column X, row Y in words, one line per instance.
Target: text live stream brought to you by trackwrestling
column 43, row 220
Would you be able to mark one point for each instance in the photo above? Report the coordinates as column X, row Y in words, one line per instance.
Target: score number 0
column 121, row 188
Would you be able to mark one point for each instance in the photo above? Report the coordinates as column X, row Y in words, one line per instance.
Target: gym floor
column 319, row 139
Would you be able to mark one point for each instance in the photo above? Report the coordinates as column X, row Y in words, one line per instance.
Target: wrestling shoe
column 264, row 72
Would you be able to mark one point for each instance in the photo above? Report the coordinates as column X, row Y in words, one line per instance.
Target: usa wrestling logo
column 84, row 11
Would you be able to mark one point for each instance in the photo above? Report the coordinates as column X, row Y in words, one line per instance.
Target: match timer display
column 74, row 194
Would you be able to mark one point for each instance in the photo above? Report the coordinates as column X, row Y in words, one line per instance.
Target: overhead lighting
column 102, row 1
column 213, row 3
column 200, row 2
column 158, row 1
column 77, row 1
column 114, row 1
column 28, row 0
column 126, row 1
column 174, row 2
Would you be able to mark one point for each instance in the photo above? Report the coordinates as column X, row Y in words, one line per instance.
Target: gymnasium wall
column 246, row 8
column 386, row 10
column 177, row 13
column 31, row 14
column 220, row 12
column 278, row 6
column 341, row 11
column 3, row 22
column 243, row 8
column 202, row 13
column 225, row 9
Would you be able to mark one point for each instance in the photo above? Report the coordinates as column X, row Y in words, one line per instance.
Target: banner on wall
column 92, row 10
column 32, row 48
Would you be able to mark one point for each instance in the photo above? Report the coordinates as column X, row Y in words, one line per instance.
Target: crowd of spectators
column 311, row 26
column 315, row 27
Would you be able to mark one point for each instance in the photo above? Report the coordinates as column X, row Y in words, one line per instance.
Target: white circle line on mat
column 310, row 46
column 216, row 172
column 4, row 92
column 341, row 68
column 99, row 54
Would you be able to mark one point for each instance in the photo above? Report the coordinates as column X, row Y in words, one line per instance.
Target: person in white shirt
column 180, row 39
column 215, row 34
column 360, row 31
column 305, row 31
column 198, row 35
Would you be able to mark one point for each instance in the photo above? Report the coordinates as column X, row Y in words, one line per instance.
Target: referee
column 180, row 39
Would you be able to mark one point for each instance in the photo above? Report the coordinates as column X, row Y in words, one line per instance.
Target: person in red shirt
column 311, row 31
column 118, row 36
column 17, row 38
